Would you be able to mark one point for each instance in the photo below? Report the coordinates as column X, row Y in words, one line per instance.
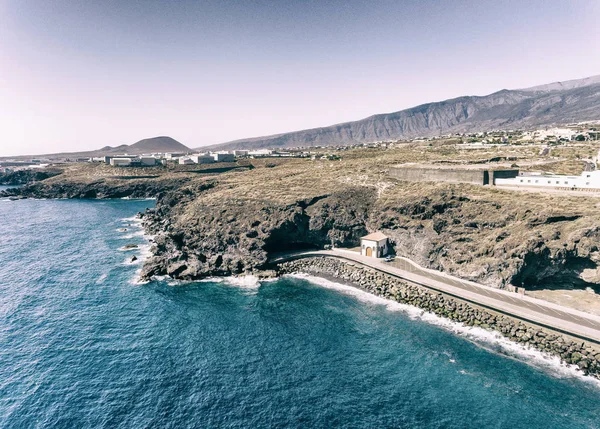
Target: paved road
column 570, row 321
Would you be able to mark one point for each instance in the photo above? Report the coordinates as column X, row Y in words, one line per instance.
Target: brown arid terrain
column 228, row 221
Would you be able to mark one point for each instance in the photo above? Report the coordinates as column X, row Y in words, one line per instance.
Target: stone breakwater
column 385, row 286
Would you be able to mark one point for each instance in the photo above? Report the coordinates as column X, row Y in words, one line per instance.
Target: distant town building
column 120, row 162
column 186, row 161
column 202, row 159
column 224, row 157
column 147, row 161
column 588, row 180
column 260, row 153
column 172, row 155
column 374, row 245
column 240, row 152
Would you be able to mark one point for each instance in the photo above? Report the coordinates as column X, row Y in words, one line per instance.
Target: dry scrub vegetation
column 228, row 222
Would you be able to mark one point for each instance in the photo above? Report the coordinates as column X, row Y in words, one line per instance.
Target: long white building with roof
column 588, row 180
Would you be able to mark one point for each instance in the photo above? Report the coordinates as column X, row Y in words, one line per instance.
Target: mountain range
column 551, row 104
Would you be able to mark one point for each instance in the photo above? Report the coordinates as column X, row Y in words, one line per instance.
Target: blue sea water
column 83, row 345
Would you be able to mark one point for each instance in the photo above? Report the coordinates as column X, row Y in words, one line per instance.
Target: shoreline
column 491, row 341
column 568, row 351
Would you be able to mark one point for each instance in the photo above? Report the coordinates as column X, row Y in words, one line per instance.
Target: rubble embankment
column 586, row 357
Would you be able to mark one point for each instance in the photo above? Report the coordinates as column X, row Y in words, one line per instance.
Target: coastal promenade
column 562, row 319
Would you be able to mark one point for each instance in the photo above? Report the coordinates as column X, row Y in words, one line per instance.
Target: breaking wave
column 490, row 340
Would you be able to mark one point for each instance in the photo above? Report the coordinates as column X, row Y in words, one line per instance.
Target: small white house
column 374, row 245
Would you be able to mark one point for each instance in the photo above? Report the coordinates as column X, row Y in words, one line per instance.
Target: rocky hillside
column 219, row 224
column 496, row 237
column 556, row 103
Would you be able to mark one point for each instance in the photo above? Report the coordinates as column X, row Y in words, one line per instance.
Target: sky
column 79, row 75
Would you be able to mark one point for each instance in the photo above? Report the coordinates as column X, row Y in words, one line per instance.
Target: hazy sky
column 78, row 75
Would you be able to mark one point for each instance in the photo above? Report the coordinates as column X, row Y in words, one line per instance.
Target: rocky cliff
column 232, row 237
column 488, row 239
column 23, row 177
column 228, row 223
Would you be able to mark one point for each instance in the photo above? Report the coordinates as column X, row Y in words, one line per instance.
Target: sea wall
column 584, row 356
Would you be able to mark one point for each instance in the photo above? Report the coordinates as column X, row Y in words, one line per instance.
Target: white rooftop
column 375, row 236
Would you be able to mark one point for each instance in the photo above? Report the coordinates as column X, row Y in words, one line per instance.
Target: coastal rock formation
column 101, row 188
column 231, row 222
column 22, row 177
column 194, row 241
column 492, row 238
column 586, row 357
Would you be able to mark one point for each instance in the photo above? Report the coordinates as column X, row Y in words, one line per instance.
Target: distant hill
column 154, row 144
column 157, row 144
column 555, row 103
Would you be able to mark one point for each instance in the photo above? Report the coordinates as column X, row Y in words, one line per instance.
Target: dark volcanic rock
column 228, row 238
column 100, row 189
column 23, row 177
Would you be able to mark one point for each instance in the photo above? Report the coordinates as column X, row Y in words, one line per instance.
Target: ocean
column 83, row 344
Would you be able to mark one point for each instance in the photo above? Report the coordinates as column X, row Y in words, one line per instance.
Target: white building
column 223, row 157
column 588, row 180
column 120, row 162
column 260, row 152
column 186, row 161
column 240, row 152
column 147, row 161
column 169, row 155
column 374, row 245
column 202, row 159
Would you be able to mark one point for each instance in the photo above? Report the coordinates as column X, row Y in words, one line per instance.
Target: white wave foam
column 132, row 221
column 129, row 249
column 248, row 281
column 490, row 340
column 143, row 250
column 139, row 199
column 243, row 282
column 101, row 279
column 133, row 235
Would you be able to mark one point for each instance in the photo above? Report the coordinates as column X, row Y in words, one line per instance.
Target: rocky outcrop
column 99, row 189
column 586, row 357
column 488, row 240
column 23, row 177
column 497, row 241
column 223, row 238
column 228, row 223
